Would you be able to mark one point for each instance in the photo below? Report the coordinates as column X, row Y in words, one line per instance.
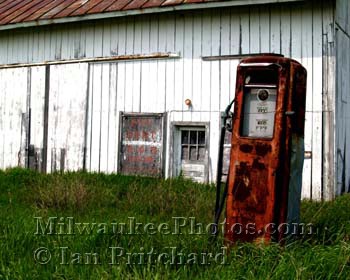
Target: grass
column 114, row 199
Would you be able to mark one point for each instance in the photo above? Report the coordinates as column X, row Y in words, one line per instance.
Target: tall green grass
column 100, row 198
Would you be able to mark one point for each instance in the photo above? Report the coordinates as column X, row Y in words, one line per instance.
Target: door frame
column 175, row 151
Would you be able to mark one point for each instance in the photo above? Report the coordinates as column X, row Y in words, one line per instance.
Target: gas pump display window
column 259, row 105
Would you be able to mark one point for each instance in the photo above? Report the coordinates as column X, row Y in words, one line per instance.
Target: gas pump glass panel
column 259, row 105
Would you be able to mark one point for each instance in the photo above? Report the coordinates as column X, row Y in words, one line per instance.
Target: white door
column 191, row 158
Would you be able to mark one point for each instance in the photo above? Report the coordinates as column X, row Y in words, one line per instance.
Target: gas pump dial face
column 259, row 112
column 263, row 95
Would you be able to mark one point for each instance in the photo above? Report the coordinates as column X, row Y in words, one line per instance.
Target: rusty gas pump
column 263, row 188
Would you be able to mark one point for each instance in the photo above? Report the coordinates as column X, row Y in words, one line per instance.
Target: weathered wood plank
column 57, row 34
column 114, row 38
column 275, row 27
column 88, row 121
column 244, row 30
column 154, row 103
column 78, row 107
column 48, row 54
column 113, row 119
column 179, row 65
column 82, row 43
column 96, row 116
column 170, row 64
column 233, row 73
column 286, row 31
column 18, row 89
column 206, row 65
column 215, row 92
column 129, row 67
column 68, row 86
column 215, row 65
column 197, row 68
column 98, row 40
column 306, row 60
column 106, row 37
column 105, row 107
column 265, row 27
column 37, row 99
column 89, row 40
column 254, row 30
column 161, row 71
column 328, row 101
column 169, row 90
column 3, row 47
column 317, row 104
column 146, row 87
column 137, row 67
column 121, row 67
column 235, row 26
column 188, row 66
column 296, row 33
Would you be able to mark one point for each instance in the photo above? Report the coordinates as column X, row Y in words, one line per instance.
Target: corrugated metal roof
column 16, row 11
column 20, row 13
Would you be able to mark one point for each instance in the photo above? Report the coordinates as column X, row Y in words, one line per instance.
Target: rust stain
column 135, row 4
column 71, row 8
column 258, row 165
column 246, row 148
column 57, row 9
column 153, row 3
column 262, row 149
column 37, row 12
column 27, row 12
column 101, row 6
column 118, row 5
column 85, row 7
column 13, row 12
column 7, row 5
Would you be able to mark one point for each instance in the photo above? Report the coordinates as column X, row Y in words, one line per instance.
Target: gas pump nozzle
column 219, row 204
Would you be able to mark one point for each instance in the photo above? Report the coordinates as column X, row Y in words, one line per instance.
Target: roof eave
column 182, row 7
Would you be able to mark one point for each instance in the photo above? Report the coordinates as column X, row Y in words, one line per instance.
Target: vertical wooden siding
column 13, row 106
column 343, row 96
column 295, row 30
column 66, row 121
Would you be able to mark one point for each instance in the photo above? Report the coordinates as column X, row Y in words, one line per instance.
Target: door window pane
column 184, row 136
column 193, row 137
column 184, row 153
column 201, row 153
column 201, row 137
column 193, row 144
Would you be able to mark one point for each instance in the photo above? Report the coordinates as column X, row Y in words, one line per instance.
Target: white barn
column 101, row 85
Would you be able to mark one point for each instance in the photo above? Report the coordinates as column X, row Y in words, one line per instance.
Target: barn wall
column 294, row 30
column 343, row 96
